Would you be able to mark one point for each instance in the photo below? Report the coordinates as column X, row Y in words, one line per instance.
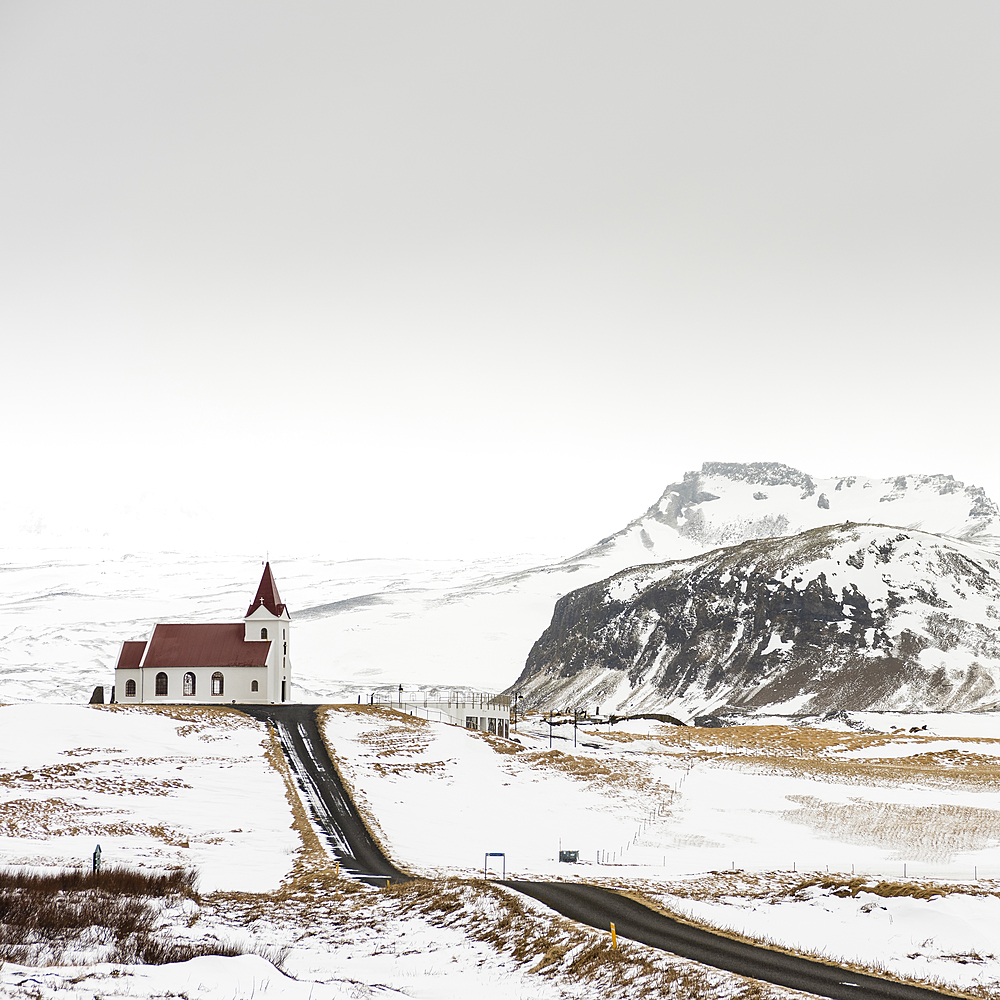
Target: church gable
column 131, row 654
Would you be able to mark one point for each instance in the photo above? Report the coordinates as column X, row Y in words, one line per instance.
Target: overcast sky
column 465, row 278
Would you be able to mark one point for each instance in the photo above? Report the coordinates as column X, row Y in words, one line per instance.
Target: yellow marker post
column 387, row 883
column 614, row 938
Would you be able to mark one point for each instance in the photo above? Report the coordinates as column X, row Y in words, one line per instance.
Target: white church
column 222, row 663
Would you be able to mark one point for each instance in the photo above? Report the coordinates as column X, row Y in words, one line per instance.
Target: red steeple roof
column 267, row 594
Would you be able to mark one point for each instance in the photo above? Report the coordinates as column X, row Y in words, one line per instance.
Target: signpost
column 495, row 854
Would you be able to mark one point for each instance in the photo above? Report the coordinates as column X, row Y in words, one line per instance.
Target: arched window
column 189, row 684
column 263, row 633
column 254, row 686
column 218, row 684
column 130, row 689
column 161, row 684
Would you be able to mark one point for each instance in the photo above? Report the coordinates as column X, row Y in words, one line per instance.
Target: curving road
column 599, row 907
column 351, row 842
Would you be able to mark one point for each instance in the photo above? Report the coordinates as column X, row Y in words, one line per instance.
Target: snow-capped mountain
column 726, row 503
column 365, row 624
column 845, row 617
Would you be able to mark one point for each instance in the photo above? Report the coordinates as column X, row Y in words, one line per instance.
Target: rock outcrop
column 842, row 617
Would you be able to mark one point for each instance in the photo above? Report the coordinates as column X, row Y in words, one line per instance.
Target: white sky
column 451, row 278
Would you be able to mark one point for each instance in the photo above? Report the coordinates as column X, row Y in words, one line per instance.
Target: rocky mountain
column 726, row 503
column 842, row 617
column 364, row 624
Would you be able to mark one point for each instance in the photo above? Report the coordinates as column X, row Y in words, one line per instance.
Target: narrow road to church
column 326, row 797
column 352, row 843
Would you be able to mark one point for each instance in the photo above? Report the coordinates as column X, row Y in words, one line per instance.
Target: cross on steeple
column 267, row 595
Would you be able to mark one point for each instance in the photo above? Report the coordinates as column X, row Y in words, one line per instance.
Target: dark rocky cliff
column 844, row 617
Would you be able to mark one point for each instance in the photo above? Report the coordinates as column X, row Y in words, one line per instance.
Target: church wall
column 281, row 660
column 237, row 682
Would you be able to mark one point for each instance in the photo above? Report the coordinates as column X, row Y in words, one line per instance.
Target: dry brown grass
column 933, row 832
column 75, row 776
column 788, row 741
column 43, row 819
column 63, row 917
column 499, row 745
column 818, row 753
column 885, row 773
column 420, row 767
column 394, row 734
column 199, row 720
column 854, row 886
column 585, row 768
column 776, row 886
column 539, row 940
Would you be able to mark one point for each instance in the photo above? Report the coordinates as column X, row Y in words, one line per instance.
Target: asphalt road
column 331, row 804
column 352, row 843
column 599, row 907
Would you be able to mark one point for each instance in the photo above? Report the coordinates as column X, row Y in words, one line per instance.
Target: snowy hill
column 844, row 617
column 727, row 503
column 364, row 624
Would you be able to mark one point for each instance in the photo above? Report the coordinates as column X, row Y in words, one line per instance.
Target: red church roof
column 204, row 646
column 267, row 594
column 130, row 655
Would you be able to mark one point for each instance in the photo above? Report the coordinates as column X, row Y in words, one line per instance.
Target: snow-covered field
column 654, row 808
column 358, row 625
column 192, row 788
column 162, row 788
column 942, row 932
column 759, row 829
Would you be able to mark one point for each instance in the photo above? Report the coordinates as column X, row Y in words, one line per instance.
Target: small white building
column 488, row 713
column 243, row 662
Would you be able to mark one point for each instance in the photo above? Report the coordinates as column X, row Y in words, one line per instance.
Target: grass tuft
column 78, row 917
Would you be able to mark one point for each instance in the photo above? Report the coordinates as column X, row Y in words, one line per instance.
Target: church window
column 254, row 686
column 161, row 684
column 286, row 649
column 189, row 684
column 263, row 633
column 217, row 683
column 130, row 689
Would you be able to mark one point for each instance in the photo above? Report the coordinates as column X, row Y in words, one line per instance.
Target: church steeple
column 267, row 596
